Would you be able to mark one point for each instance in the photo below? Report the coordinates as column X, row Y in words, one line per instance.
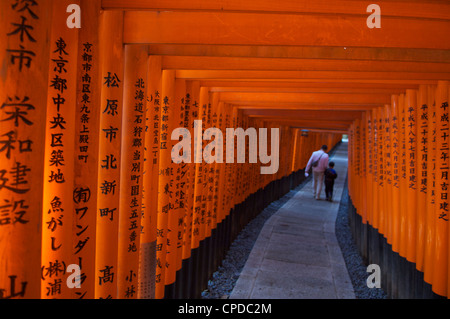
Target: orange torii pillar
column 198, row 211
column 376, row 159
column 402, row 173
column 147, row 264
column 239, row 192
column 362, row 180
column 411, row 168
column 86, row 148
column 209, row 188
column 197, row 187
column 191, row 113
column 369, row 165
column 359, row 196
column 388, row 191
column 220, row 182
column 164, row 181
column 185, row 201
column 395, row 171
column 184, row 266
column 58, row 203
column 214, row 151
column 363, row 169
column 381, row 174
column 23, row 105
column 422, row 162
column 404, row 135
column 357, row 164
column 394, row 207
column 431, row 187
column 440, row 273
column 131, row 168
column 227, row 206
column 109, row 153
column 176, row 215
column 387, row 172
column 210, row 156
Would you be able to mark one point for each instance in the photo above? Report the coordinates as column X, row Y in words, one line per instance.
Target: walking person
column 330, row 176
column 319, row 163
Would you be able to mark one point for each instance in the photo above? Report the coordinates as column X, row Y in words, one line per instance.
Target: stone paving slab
column 296, row 255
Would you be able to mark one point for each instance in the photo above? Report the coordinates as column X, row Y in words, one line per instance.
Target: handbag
column 315, row 163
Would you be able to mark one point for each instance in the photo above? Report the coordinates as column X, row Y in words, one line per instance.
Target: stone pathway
column 296, row 255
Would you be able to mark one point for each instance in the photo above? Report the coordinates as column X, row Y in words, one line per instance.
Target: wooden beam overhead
column 310, row 75
column 286, row 29
column 304, row 114
column 310, row 124
column 302, row 52
column 417, row 9
column 302, row 106
column 310, row 98
column 318, row 130
column 275, row 90
column 274, row 84
column 337, row 123
column 287, row 64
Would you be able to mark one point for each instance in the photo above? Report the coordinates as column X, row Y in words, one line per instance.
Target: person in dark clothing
column 330, row 176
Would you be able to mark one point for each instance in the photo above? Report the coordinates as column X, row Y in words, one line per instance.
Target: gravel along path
column 223, row 280
column 355, row 265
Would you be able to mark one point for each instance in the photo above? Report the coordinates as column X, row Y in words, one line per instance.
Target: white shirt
column 323, row 162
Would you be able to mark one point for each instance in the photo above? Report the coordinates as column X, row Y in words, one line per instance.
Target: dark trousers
column 329, row 189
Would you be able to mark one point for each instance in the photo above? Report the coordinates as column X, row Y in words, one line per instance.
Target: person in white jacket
column 321, row 157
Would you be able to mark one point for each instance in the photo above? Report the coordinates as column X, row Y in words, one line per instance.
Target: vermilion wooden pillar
column 422, row 174
column 166, row 179
column 176, row 214
column 372, row 129
column 363, row 168
column 220, row 167
column 131, row 168
column 109, row 153
column 381, row 176
column 395, row 156
column 440, row 274
column 212, row 167
column 431, row 187
column 198, row 227
column 360, row 167
column 448, row 245
column 226, row 206
column 411, row 172
column 369, row 165
column 403, row 182
column 197, row 179
column 356, row 165
column 58, row 200
column 86, row 147
column 23, row 107
column 147, row 264
column 192, row 107
column 387, row 172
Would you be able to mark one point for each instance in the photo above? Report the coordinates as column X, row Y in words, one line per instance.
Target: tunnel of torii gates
column 92, row 204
